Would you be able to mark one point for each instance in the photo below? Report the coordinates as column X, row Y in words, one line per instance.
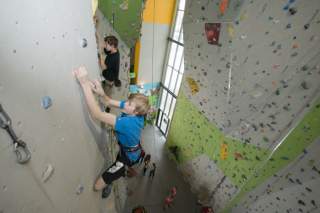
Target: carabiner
column 20, row 147
column 22, row 152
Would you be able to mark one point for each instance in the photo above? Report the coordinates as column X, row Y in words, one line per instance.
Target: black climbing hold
column 304, row 85
column 292, row 11
column 305, row 67
column 308, row 189
column 301, row 202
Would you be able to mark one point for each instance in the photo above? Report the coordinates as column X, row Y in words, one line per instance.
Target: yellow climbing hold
column 193, row 85
column 230, row 30
column 243, row 16
column 223, row 151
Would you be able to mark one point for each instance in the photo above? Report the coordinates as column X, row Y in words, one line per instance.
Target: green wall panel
column 127, row 22
column 306, row 132
column 194, row 135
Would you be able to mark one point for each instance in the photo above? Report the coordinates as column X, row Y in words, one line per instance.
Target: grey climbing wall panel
column 249, row 92
column 40, row 44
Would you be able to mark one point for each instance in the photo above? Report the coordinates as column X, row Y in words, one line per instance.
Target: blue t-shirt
column 128, row 131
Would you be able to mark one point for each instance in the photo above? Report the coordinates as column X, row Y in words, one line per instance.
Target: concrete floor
column 151, row 193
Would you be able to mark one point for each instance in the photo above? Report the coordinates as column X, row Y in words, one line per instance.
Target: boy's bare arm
column 106, row 100
column 97, row 88
column 110, row 102
column 94, row 109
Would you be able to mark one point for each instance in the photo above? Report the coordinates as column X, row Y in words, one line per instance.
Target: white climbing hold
column 47, row 173
column 243, row 36
column 124, row 5
column 275, row 21
column 256, row 94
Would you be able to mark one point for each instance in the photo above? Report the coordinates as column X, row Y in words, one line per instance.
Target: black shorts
column 117, row 169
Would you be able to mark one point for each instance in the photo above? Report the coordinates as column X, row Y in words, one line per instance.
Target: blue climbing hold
column 286, row 7
column 46, row 102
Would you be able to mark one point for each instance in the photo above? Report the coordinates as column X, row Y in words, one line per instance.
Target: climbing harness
column 20, row 147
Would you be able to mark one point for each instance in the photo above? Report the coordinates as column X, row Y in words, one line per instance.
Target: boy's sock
column 106, row 191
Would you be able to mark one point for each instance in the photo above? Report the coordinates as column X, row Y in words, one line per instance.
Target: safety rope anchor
column 20, row 147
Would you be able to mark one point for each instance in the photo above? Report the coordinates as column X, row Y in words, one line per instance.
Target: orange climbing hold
column 223, row 6
column 295, row 46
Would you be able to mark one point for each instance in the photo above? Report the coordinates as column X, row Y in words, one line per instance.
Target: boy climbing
column 127, row 126
column 110, row 63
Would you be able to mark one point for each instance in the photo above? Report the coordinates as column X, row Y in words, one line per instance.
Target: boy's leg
column 114, row 172
column 100, row 184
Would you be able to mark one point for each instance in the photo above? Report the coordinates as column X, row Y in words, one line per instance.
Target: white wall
column 154, row 41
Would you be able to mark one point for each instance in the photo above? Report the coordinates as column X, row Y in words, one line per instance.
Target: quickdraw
column 20, row 147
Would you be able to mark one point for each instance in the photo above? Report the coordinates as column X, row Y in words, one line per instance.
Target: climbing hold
column 306, row 26
column 84, row 43
column 292, row 11
column 279, row 46
column 294, row 54
column 230, row 30
column 46, row 102
column 275, row 21
column 193, row 85
column 223, row 151
column 305, row 67
column 124, row 5
column 265, row 139
column 47, row 173
column 304, row 85
column 243, row 37
column 238, row 156
column 223, row 6
column 288, row 26
column 80, row 189
column 275, row 66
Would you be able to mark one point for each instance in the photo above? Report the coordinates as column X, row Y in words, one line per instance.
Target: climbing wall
column 251, row 93
column 125, row 16
column 41, row 43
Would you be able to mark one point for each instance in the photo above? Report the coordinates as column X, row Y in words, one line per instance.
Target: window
column 174, row 70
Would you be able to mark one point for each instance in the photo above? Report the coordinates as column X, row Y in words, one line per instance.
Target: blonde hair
column 142, row 103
